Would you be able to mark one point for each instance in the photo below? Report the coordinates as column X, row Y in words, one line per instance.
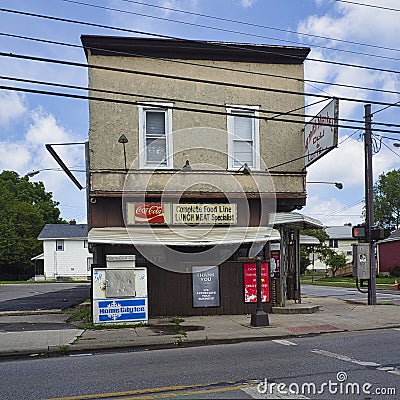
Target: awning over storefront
column 182, row 236
column 295, row 220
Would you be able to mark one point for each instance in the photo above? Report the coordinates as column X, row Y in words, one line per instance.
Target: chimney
column 72, row 222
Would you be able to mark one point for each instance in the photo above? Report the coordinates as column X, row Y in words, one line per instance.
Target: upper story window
column 243, row 137
column 59, row 245
column 333, row 243
column 155, row 135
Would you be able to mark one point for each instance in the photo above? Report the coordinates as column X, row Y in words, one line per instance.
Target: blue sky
column 28, row 121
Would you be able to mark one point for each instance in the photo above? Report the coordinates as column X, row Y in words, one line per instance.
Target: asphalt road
column 331, row 366
column 351, row 294
column 42, row 296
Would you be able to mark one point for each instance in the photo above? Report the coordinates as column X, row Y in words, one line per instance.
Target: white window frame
column 142, row 109
column 60, row 244
column 235, row 109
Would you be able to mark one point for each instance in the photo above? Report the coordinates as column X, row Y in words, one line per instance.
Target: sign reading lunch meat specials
column 209, row 214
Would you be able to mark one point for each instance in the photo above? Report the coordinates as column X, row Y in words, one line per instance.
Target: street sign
column 321, row 133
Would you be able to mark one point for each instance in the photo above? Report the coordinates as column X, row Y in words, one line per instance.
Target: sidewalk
column 49, row 333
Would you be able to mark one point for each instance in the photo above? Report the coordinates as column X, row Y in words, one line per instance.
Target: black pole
column 260, row 317
column 125, row 157
column 369, row 203
column 259, row 284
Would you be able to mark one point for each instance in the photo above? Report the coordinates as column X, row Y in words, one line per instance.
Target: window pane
column 242, row 153
column 243, row 127
column 156, row 152
column 155, row 123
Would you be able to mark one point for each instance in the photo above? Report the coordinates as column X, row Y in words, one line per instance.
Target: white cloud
column 45, row 129
column 247, row 3
column 11, row 107
column 332, row 212
column 346, row 164
column 14, row 156
column 29, row 154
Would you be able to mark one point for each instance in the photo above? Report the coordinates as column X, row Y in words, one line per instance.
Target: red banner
column 250, row 282
column 149, row 213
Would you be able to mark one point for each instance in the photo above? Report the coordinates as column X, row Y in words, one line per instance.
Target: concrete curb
column 31, row 312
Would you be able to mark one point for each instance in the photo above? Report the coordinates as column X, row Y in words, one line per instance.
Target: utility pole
column 369, row 204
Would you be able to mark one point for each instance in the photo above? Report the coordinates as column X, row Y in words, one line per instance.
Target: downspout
column 297, row 265
column 283, row 266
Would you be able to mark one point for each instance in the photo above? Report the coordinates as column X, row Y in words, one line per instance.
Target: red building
column 389, row 252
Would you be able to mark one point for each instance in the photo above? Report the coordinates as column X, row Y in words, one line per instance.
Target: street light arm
column 63, row 166
column 339, row 185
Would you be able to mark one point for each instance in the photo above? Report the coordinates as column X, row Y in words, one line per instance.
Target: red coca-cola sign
column 149, row 213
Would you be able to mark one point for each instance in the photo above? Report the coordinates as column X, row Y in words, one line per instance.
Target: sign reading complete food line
column 182, row 214
column 220, row 214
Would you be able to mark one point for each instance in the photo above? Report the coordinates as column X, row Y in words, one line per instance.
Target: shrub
column 394, row 272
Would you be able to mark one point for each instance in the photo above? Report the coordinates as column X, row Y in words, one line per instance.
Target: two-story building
column 65, row 253
column 192, row 146
column 340, row 239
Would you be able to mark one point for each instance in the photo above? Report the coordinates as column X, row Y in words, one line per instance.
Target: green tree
column 25, row 207
column 387, row 200
column 304, row 259
column 320, row 234
column 331, row 259
column 305, row 251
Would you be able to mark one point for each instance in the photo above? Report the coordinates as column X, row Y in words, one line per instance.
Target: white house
column 341, row 240
column 65, row 253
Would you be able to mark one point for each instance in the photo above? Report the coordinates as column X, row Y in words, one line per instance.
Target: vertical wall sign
column 250, row 282
column 275, row 259
column 205, row 286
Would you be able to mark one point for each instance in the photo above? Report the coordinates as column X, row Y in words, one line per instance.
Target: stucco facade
column 200, row 137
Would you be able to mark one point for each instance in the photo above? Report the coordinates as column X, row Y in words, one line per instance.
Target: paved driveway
column 42, row 296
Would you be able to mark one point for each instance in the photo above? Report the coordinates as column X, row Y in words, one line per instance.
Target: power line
column 165, row 99
column 224, row 29
column 192, row 102
column 368, row 5
column 197, row 80
column 190, row 40
column 260, row 26
column 308, row 81
column 204, row 111
column 397, row 154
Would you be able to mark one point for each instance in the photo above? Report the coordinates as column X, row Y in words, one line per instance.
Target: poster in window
column 250, row 282
column 205, row 286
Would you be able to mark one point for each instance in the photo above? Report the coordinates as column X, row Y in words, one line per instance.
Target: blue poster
column 120, row 310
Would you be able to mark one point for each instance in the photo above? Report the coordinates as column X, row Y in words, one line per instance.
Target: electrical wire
column 368, row 5
column 169, row 99
column 216, row 67
column 397, row 154
column 252, row 50
column 195, row 110
column 197, row 80
column 245, row 23
column 224, row 29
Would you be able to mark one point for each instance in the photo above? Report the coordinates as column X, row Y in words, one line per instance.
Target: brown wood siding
column 170, row 293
